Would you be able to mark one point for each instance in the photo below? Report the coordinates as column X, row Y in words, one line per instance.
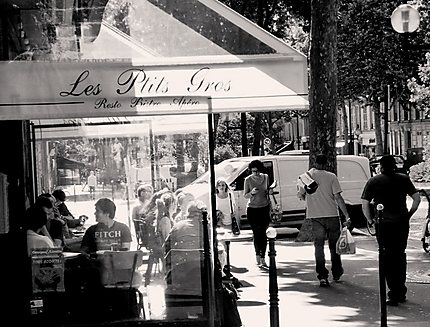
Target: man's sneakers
column 324, row 282
column 263, row 263
column 336, row 279
column 395, row 303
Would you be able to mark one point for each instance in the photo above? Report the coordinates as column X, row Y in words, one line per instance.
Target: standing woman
column 256, row 190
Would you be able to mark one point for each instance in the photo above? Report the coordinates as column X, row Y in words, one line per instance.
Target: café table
column 227, row 237
column 71, row 255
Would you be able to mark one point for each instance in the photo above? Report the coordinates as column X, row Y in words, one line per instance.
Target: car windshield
column 225, row 169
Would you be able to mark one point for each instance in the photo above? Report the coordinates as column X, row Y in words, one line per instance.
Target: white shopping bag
column 345, row 244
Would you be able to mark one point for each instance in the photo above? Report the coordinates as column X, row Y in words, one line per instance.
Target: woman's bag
column 234, row 225
column 275, row 211
column 345, row 244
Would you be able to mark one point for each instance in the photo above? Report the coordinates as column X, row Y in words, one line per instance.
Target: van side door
column 238, row 186
column 289, row 169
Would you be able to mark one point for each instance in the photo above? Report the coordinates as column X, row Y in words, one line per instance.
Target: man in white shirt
column 92, row 183
column 322, row 209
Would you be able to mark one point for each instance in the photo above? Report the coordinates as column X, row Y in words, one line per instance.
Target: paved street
column 353, row 302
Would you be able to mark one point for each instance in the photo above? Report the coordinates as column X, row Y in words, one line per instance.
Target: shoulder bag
column 275, row 209
column 234, row 225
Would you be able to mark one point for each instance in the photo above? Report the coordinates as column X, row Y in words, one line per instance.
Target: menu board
column 47, row 267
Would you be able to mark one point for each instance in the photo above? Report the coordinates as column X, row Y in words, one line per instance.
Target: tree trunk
column 323, row 82
column 346, row 133
column 323, row 86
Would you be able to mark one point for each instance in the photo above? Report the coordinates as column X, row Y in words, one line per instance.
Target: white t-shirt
column 37, row 241
column 223, row 205
column 92, row 180
column 322, row 203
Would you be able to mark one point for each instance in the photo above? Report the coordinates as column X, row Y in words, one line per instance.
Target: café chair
column 119, row 273
column 184, row 271
column 141, row 232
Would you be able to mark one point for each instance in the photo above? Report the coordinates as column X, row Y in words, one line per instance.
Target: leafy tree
column 371, row 55
column 420, row 87
column 288, row 20
column 223, row 152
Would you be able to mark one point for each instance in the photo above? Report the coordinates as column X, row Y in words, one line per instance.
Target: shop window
column 158, row 275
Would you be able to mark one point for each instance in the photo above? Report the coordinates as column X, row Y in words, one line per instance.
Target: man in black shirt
column 390, row 189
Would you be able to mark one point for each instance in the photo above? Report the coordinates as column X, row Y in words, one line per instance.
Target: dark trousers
column 259, row 219
column 322, row 229
column 394, row 238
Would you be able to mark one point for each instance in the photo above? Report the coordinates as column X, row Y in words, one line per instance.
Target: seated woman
column 35, row 220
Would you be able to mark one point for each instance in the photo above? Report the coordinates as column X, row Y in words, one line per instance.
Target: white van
column 352, row 171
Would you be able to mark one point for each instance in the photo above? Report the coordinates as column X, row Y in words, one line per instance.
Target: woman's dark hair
column 59, row 195
column 43, row 201
column 35, row 218
column 106, row 206
column 256, row 164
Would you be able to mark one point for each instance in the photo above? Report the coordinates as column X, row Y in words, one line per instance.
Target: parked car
column 401, row 164
column 353, row 173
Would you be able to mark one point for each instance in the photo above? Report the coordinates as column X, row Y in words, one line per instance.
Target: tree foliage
column 372, row 55
column 420, row 87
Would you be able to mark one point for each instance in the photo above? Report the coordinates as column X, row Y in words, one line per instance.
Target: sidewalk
column 352, row 303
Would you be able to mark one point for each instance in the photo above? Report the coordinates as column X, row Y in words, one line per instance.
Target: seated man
column 66, row 215
column 107, row 234
column 184, row 246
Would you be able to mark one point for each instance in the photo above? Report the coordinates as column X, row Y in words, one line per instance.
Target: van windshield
column 226, row 169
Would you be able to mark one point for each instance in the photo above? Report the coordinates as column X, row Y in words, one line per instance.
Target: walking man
column 390, row 189
column 322, row 209
column 92, row 183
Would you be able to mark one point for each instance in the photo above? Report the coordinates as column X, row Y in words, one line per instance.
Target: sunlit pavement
column 353, row 302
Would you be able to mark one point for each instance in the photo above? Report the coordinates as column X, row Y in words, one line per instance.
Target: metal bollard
column 273, row 279
column 381, row 253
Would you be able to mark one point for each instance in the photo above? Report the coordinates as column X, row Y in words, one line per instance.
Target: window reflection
column 139, row 165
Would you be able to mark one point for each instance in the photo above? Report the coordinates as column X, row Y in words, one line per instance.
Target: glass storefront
column 111, row 104
column 130, row 161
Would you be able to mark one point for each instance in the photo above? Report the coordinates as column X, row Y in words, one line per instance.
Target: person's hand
column 347, row 223
column 254, row 191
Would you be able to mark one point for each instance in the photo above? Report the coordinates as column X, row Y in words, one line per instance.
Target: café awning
column 167, row 62
column 67, row 90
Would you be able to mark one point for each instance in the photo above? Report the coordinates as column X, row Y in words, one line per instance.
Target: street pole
column 298, row 133
column 386, row 108
column 381, row 252
column 244, row 134
column 351, row 135
column 273, row 282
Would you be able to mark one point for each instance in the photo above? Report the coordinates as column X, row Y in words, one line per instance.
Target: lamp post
column 273, row 282
column 381, row 253
column 405, row 19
